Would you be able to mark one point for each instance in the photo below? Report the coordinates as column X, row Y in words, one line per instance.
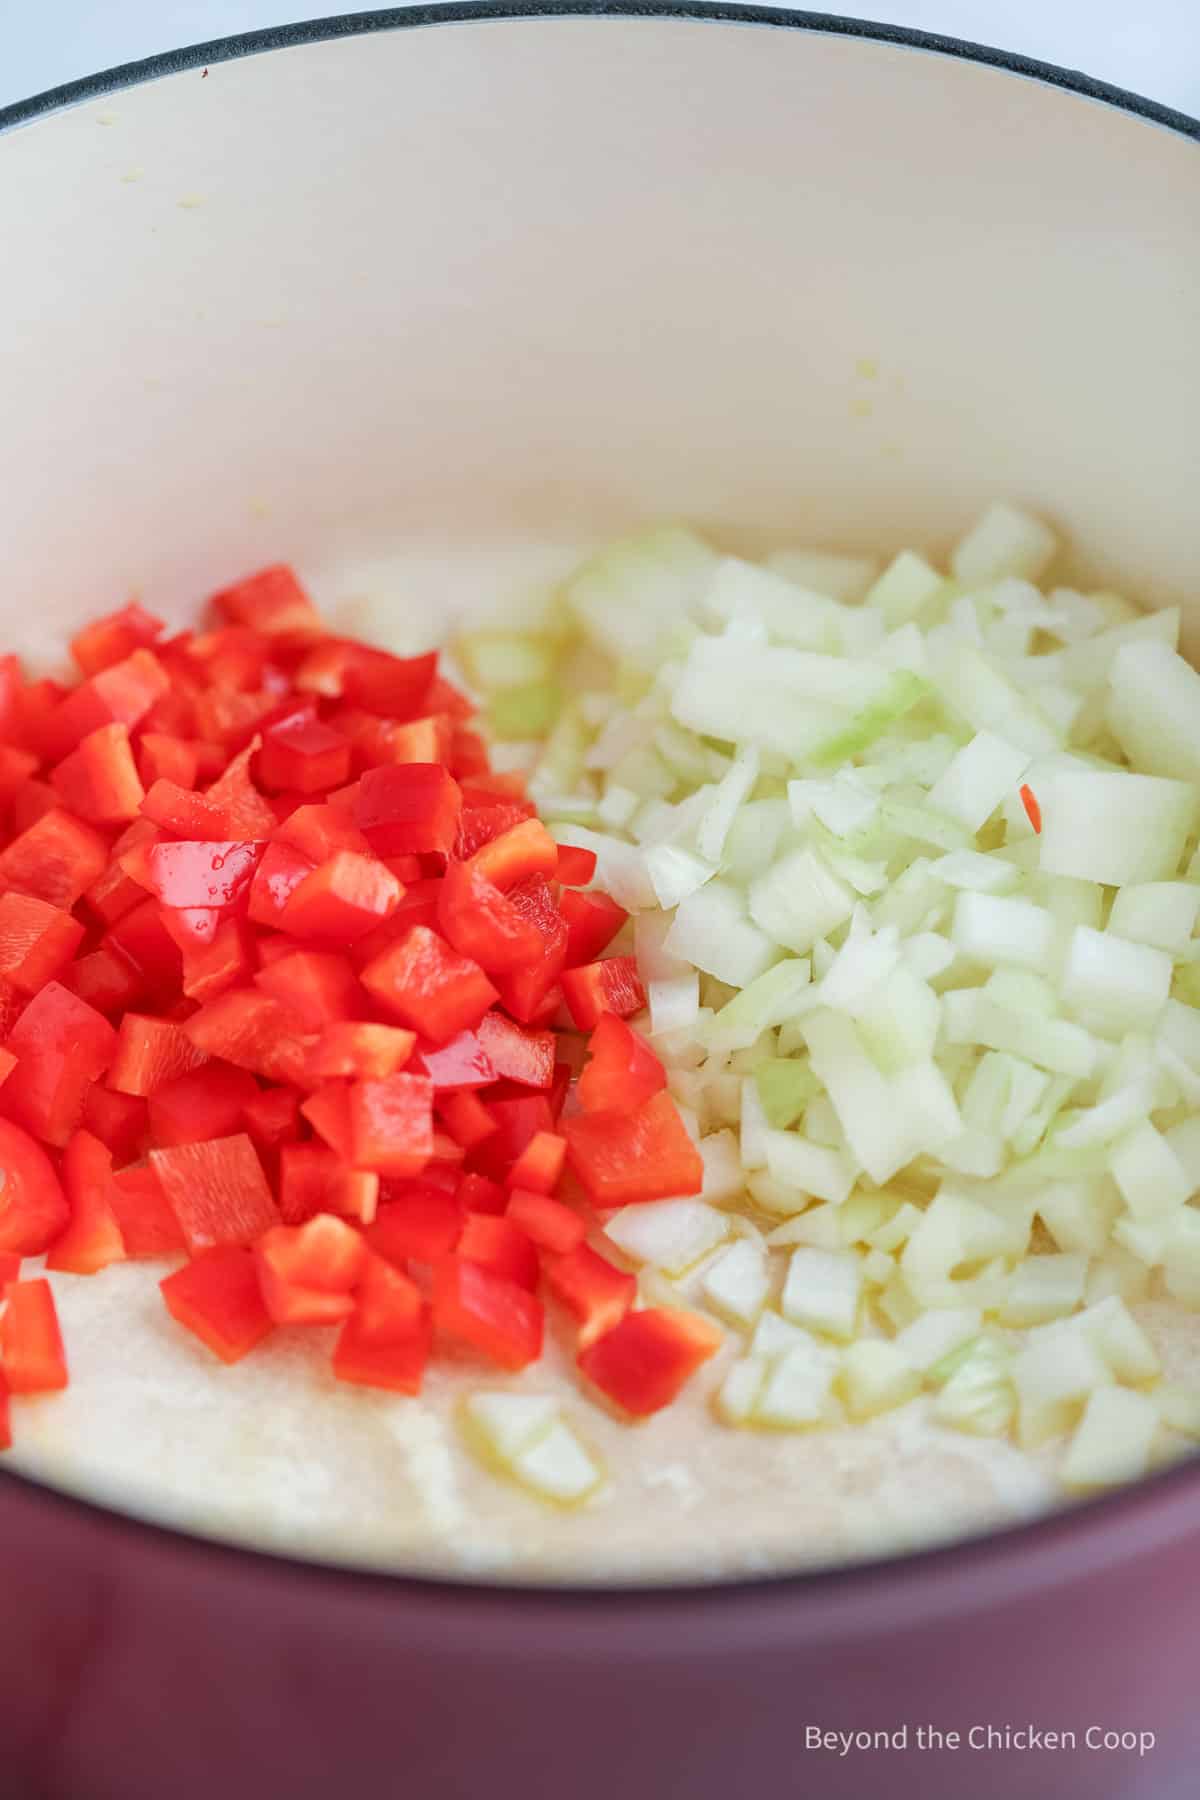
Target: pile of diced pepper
column 291, row 989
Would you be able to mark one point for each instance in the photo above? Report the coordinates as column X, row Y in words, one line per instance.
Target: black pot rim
column 962, row 1556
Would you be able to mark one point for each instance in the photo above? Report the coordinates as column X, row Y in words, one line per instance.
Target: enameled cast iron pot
column 470, row 269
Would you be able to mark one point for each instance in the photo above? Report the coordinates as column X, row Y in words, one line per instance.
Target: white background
column 1149, row 46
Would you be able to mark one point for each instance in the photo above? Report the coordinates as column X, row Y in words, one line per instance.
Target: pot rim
column 1049, row 1548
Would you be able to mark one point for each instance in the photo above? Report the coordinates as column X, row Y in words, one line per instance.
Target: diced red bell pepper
column 62, row 1045
column 521, row 851
column 272, row 1117
column 119, row 695
column 425, row 740
column 499, row 1244
column 16, row 768
column 461, row 1062
column 426, row 985
column 93, row 1238
column 593, row 921
column 185, row 813
column 5, row 1414
column 105, row 979
column 118, row 1120
column 623, row 1071
column 35, row 940
column 279, row 874
column 328, row 1112
column 10, row 1267
column 483, row 923
column 56, row 859
column 31, row 1346
column 576, row 866
column 443, row 697
column 114, row 893
column 255, row 1032
column 197, row 874
column 480, row 1195
column 560, row 1086
column 518, row 1052
column 36, row 703
column 111, row 639
column 391, row 1124
column 150, row 1052
column 319, row 832
column 303, row 755
column 341, row 899
column 408, row 808
column 318, row 986
column 643, row 1362
column 358, row 1050
column 164, row 757
column 217, row 1191
column 465, row 1117
column 540, row 1164
column 468, row 753
column 524, row 990
column 218, row 1299
column 33, row 1207
column 612, row 986
column 272, row 602
column 204, row 1102
column 149, row 1228
column 12, row 1004
column 308, row 1272
column 517, row 1121
column 549, row 1224
column 99, row 780
column 416, row 1222
column 211, row 969
column 621, row 1158
column 231, row 719
column 481, row 1309
column 314, row 1179
column 484, row 817
column 247, row 814
column 144, row 940
column 12, row 686
column 397, row 687
column 386, row 1341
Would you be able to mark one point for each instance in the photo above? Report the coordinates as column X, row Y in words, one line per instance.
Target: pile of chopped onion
column 912, row 859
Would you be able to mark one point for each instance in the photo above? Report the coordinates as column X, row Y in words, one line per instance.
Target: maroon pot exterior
column 136, row 1665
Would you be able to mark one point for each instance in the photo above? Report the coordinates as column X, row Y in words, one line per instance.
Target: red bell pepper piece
column 229, row 718
column 5, row 1415
column 485, row 816
column 426, row 985
column 118, row 1120
column 204, row 1102
column 56, row 859
column 498, row 1243
column 595, row 1292
column 547, row 1223
column 217, row 1191
column 142, row 938
column 279, row 874
column 31, row 1346
column 464, row 1116
column 254, row 1031
column 357, row 1050
column 105, row 980
column 328, row 1112
column 33, row 1207
column 341, row 898
column 150, row 1052
column 273, row 603
column 318, row 986
column 408, row 808
column 99, row 780
column 524, row 990
column 517, row 1120
column 185, row 813
column 247, row 815
column 119, row 695
column 111, row 639
column 319, row 832
column 416, row 1222
column 35, row 940
column 518, row 1052
column 307, row 1273
column 113, row 893
column 207, row 875
column 468, row 753
column 621, row 1158
column 613, row 986
column 593, row 921
column 149, row 1228
column 460, row 1063
column 643, row 1362
column 398, row 687
column 93, row 1238
column 386, row 1341
column 576, row 866
column 303, row 755
column 483, row 923
column 540, row 1164
column 31, row 801
column 314, row 1179
column 443, row 697
column 62, row 1045
column 162, row 756
column 12, row 689
column 391, row 1124
column 623, row 1072
column 272, row 1117
column 218, row 1299
column 560, row 1086
column 481, row 1309
column 211, row 969
column 480, row 1195
column 521, row 851
column 16, row 768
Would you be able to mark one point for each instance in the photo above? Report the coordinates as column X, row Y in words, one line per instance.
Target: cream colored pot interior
column 515, row 279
